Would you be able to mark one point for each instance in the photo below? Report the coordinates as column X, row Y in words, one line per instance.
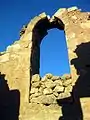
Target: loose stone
column 58, row 89
column 47, row 91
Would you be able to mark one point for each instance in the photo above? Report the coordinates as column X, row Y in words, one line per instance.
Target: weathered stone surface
column 41, row 112
column 23, row 30
column 49, row 76
column 20, row 62
column 35, row 95
column 74, row 17
column 66, row 77
column 64, row 95
column 33, row 90
column 55, row 94
column 55, row 78
column 4, row 58
column 35, row 78
column 67, row 82
column 47, row 91
column 36, row 84
column 44, row 78
column 58, row 82
column 85, row 104
column 85, row 25
column 72, row 8
column 50, row 84
column 32, row 24
column 41, row 89
column 69, row 88
column 43, row 86
column 59, row 89
column 43, row 15
column 46, row 99
column 14, row 47
column 59, row 13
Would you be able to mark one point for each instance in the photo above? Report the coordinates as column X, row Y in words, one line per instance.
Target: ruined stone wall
column 20, row 61
column 15, row 65
column 49, row 89
column 77, row 29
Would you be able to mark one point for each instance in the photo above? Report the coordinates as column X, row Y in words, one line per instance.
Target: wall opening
column 53, row 53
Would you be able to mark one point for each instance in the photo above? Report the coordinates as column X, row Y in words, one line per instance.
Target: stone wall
column 14, row 64
column 49, row 89
column 20, row 62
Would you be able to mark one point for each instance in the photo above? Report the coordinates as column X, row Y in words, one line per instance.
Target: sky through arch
column 53, row 53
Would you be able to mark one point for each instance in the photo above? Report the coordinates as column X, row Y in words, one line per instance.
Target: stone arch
column 39, row 31
column 39, row 27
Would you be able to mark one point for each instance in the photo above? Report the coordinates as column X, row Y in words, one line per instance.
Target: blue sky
column 15, row 13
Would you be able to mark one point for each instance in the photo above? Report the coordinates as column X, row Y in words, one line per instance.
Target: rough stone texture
column 20, row 62
column 43, row 90
column 47, row 91
column 40, row 112
column 35, row 78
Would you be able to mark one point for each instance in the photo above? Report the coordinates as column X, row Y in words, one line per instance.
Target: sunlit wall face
column 54, row 54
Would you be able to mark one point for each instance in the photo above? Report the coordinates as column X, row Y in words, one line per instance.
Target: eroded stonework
column 50, row 89
column 20, row 62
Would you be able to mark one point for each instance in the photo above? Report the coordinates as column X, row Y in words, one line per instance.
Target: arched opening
column 56, row 27
column 54, row 54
